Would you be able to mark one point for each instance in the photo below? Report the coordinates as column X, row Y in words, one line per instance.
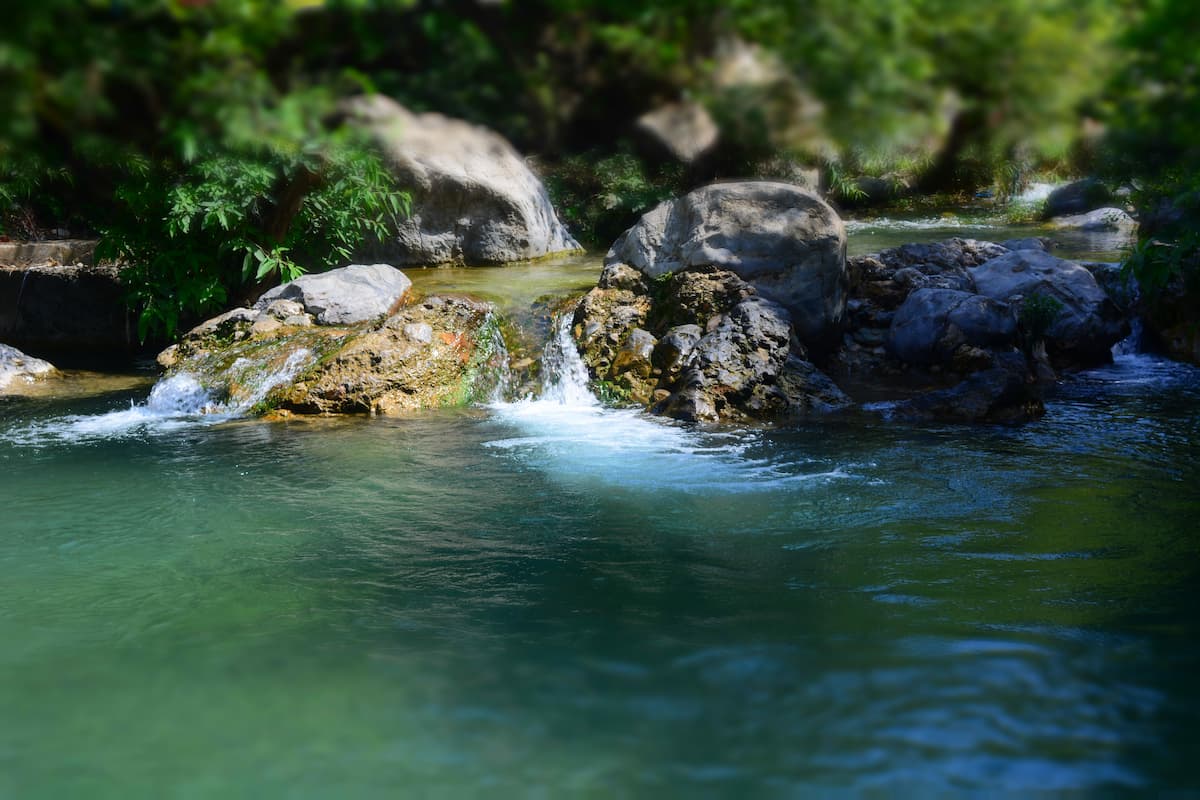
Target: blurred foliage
column 180, row 132
column 119, row 113
column 599, row 196
column 1154, row 145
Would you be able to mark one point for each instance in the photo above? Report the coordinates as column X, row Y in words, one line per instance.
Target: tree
column 208, row 159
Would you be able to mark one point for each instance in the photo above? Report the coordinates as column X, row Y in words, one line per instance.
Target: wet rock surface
column 1088, row 323
column 18, row 370
column 285, row 356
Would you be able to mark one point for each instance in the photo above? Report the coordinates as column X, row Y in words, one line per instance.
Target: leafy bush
column 189, row 237
column 1038, row 313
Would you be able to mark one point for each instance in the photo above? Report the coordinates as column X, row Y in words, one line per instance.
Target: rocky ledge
column 352, row 340
column 737, row 303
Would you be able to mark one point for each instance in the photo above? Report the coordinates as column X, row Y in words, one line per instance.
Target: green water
column 526, row 601
column 542, row 599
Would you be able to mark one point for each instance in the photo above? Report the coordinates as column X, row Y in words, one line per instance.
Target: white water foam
column 568, row 433
column 176, row 402
column 923, row 224
column 1036, row 193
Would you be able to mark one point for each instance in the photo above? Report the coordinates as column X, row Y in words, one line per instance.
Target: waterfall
column 568, row 433
column 564, row 375
column 177, row 401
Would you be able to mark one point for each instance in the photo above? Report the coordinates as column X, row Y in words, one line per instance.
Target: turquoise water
column 548, row 600
column 553, row 599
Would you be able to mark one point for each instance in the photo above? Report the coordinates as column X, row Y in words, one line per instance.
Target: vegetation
column 202, row 138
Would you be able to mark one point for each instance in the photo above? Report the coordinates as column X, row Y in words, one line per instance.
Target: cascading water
column 568, row 433
column 176, row 401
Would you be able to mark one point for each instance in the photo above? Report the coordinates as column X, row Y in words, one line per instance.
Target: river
column 548, row 598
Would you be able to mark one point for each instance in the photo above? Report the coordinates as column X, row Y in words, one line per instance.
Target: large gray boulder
column 783, row 240
column 1087, row 326
column 356, row 293
column 475, row 201
column 932, row 324
column 18, row 369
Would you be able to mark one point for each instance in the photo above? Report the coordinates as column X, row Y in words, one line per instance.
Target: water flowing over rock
column 438, row 351
column 783, row 240
column 1088, row 325
column 475, row 201
column 17, row 369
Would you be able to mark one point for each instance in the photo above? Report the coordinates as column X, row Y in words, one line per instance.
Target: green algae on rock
column 435, row 352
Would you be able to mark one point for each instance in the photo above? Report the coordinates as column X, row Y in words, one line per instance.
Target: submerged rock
column 475, row 201
column 18, row 369
column 1005, row 391
column 438, row 351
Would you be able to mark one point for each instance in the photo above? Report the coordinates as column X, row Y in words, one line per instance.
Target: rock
column 685, row 131
column 440, row 351
column 1003, row 393
column 698, row 345
column 1076, row 198
column 744, row 369
column 1120, row 287
column 64, row 252
column 475, row 201
column 1172, row 321
column 1028, row 243
column 356, row 293
column 937, row 258
column 1088, row 325
column 425, row 356
column 673, row 350
column 933, row 324
column 1112, row 220
column 74, row 307
column 784, row 241
column 17, row 369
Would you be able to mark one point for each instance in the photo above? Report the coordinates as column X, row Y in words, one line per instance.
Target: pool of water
column 549, row 598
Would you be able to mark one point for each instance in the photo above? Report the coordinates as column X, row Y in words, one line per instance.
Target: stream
column 546, row 597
